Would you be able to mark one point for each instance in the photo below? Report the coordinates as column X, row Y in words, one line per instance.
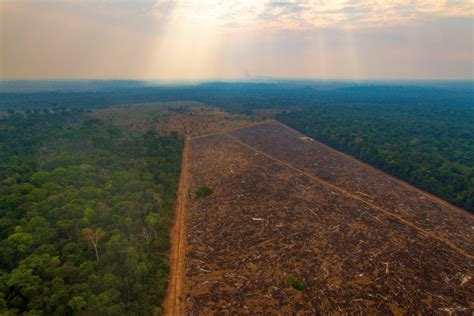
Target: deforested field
column 286, row 207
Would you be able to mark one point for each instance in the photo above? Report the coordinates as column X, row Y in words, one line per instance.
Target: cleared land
column 184, row 117
column 283, row 204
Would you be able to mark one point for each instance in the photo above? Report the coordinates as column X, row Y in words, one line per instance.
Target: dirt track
column 172, row 304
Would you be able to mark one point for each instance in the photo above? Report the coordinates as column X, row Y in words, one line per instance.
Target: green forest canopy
column 85, row 214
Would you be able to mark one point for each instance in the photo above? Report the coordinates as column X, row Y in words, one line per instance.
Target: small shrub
column 294, row 282
column 202, row 192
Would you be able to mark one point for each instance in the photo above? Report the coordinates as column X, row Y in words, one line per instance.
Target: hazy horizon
column 236, row 40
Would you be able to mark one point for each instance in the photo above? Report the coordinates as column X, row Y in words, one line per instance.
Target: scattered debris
column 465, row 279
column 353, row 258
column 306, row 138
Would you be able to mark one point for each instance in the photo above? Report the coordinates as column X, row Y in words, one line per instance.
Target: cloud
column 355, row 14
column 310, row 14
column 163, row 9
column 195, row 39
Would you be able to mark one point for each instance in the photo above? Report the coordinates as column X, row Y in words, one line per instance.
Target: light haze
column 193, row 40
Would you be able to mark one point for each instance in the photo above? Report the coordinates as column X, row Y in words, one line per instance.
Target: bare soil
column 172, row 304
column 183, row 117
column 359, row 240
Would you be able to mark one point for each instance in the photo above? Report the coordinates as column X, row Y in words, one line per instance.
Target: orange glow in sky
column 147, row 39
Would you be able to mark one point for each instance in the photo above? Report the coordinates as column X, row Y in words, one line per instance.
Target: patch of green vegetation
column 294, row 282
column 203, row 192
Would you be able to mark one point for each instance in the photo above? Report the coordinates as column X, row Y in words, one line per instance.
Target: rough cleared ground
column 184, row 117
column 359, row 240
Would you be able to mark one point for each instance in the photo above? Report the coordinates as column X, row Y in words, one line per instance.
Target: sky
column 236, row 39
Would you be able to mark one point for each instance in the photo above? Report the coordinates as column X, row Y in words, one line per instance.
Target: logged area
column 292, row 226
column 183, row 117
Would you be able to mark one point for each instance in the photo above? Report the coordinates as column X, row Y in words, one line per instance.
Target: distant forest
column 421, row 132
column 237, row 97
column 85, row 215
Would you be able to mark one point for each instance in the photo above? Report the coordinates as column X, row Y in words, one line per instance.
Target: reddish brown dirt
column 172, row 304
column 360, row 241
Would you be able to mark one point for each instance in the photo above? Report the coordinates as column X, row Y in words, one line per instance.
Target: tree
column 77, row 303
column 93, row 235
column 20, row 242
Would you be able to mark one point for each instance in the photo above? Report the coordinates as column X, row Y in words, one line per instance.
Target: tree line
column 430, row 146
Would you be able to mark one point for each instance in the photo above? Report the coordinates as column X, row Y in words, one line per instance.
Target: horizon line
column 235, row 79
